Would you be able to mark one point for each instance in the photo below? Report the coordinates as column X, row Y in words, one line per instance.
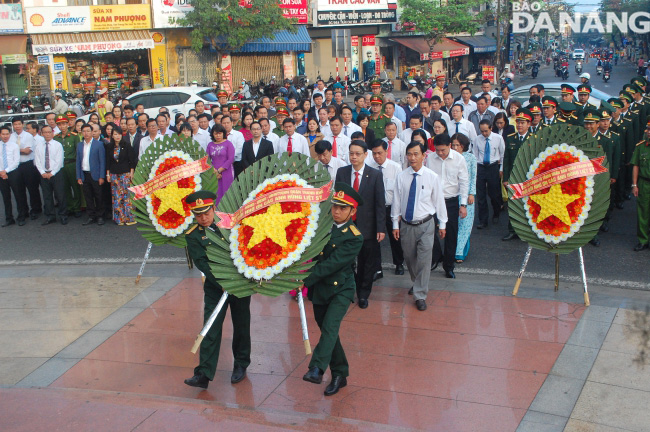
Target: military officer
column 72, row 118
column 222, row 97
column 637, row 135
column 568, row 113
column 378, row 120
column 549, row 105
column 202, row 205
column 523, row 118
column 639, row 105
column 235, row 114
column 568, row 93
column 69, row 142
column 615, row 161
column 641, row 188
column 280, row 115
column 331, row 289
column 622, row 126
column 536, row 111
column 584, row 91
column 375, row 88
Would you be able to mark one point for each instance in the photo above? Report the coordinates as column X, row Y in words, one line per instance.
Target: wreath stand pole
column 557, row 272
column 584, row 276
column 522, row 270
column 303, row 323
column 190, row 264
column 209, row 322
column 144, row 262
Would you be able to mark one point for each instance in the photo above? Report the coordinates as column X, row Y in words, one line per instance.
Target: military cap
column 524, row 114
column 605, row 113
column 535, row 108
column 640, row 81
column 222, row 93
column 625, row 95
column 280, row 101
column 616, row 103
column 282, row 111
column 234, row 107
column 632, row 88
column 376, row 100
column 584, row 88
column 591, row 115
column 549, row 101
column 345, row 195
column 567, row 107
column 71, row 114
column 201, row 201
column 441, row 76
column 567, row 89
column 375, row 84
column 61, row 119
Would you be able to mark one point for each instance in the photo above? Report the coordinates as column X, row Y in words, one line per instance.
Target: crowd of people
column 423, row 169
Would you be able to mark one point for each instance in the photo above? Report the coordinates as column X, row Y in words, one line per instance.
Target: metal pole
column 190, row 264
column 557, row 272
column 209, row 322
column 584, row 276
column 303, row 322
column 521, row 271
column 144, row 261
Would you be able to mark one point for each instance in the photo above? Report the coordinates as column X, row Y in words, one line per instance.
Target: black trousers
column 395, row 245
column 54, row 187
column 366, row 267
column 14, row 184
column 93, row 194
column 488, row 184
column 238, row 167
column 32, row 180
column 448, row 256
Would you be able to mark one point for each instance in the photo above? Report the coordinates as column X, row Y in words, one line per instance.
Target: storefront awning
column 283, row 41
column 481, row 44
column 444, row 49
column 71, row 43
column 13, row 44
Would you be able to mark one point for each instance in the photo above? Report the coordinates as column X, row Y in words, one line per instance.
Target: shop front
column 482, row 50
column 417, row 58
column 14, row 75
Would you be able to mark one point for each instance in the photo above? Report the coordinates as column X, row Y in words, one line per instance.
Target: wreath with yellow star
column 566, row 214
column 163, row 215
column 269, row 251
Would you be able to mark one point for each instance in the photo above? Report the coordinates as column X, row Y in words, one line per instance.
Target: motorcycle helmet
column 585, row 75
column 510, row 75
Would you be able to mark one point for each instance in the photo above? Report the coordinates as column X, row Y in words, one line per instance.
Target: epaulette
column 639, row 143
column 615, row 133
column 512, row 134
column 561, row 120
column 191, row 229
column 386, row 116
column 355, row 230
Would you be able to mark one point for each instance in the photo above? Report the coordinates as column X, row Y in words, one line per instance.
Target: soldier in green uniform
column 584, row 91
column 69, row 142
column 235, row 114
column 332, row 287
column 639, row 105
column 281, row 114
column 568, row 113
column 615, row 161
column 637, row 135
column 222, row 97
column 641, row 188
column 623, row 127
column 536, row 123
column 202, row 205
column 523, row 118
column 375, row 87
column 549, row 105
column 72, row 118
column 568, row 93
column 378, row 120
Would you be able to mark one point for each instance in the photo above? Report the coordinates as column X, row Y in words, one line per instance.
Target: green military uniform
column 332, row 287
column 513, row 143
column 637, row 135
column 69, row 141
column 378, row 125
column 279, row 131
column 568, row 113
column 641, row 159
column 197, row 243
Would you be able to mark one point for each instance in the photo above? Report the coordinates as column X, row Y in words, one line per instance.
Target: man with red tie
column 340, row 142
column 292, row 141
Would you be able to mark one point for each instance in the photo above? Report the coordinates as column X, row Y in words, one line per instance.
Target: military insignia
column 191, row 229
column 345, row 230
column 199, row 202
column 355, row 230
column 340, row 194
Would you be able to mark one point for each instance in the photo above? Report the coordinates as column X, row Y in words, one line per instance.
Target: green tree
column 226, row 25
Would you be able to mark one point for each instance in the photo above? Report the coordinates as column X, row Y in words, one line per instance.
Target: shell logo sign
column 37, row 20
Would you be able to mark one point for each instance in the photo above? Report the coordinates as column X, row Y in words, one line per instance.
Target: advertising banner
column 287, row 64
column 226, row 73
column 120, row 17
column 74, row 19
column 12, row 59
column 163, row 10
column 355, row 57
column 69, row 48
column 354, row 12
column 159, row 66
column 368, row 56
column 488, row 73
column 11, row 18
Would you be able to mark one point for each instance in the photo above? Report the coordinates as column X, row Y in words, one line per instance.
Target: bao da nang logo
column 533, row 17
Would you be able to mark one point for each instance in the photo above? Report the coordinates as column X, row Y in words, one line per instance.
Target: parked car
column 553, row 89
column 578, row 54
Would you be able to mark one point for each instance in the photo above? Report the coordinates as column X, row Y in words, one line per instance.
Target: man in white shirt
column 142, row 124
column 459, row 125
column 340, row 143
column 320, row 89
column 481, row 113
column 486, row 87
column 390, row 170
column 60, row 106
column 161, row 121
column 415, row 123
column 50, row 118
column 237, row 139
column 29, row 175
column 201, row 136
column 268, row 134
column 48, row 159
column 292, row 142
column 452, row 170
column 349, row 127
column 396, row 148
column 32, row 129
column 145, row 142
column 467, row 103
column 418, row 198
column 494, row 110
column 323, row 149
column 10, row 180
column 389, row 110
column 436, row 113
column 261, row 112
column 488, row 148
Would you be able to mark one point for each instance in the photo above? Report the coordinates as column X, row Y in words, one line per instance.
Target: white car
column 578, row 54
column 553, row 89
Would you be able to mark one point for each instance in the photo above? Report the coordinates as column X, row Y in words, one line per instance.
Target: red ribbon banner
column 293, row 194
column 168, row 177
column 558, row 175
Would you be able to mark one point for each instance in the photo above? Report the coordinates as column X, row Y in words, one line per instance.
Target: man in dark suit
column 133, row 135
column 91, row 172
column 256, row 148
column 370, row 217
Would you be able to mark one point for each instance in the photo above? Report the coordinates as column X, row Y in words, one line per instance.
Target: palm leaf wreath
column 272, row 279
column 577, row 211
column 180, row 147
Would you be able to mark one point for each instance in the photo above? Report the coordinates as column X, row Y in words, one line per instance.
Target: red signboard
column 292, row 9
column 488, row 73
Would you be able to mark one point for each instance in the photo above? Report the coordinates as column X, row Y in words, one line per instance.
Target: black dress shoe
column 198, row 380
column 619, row 205
column 605, row 227
column 434, row 265
column 314, row 375
column 238, row 374
column 449, row 274
column 378, row 275
column 510, row 236
column 399, row 270
column 48, row 221
column 337, row 383
column 628, row 197
column 77, row 214
column 100, row 221
column 595, row 242
column 33, row 216
column 9, row 222
column 21, row 222
column 481, row 226
column 64, row 221
column 421, row 305
column 363, row 303
column 89, row 221
column 411, row 291
column 639, row 247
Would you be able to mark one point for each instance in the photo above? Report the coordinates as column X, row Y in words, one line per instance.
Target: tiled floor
column 470, row 362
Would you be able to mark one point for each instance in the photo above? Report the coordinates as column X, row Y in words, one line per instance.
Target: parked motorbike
column 606, row 76
column 26, row 105
column 13, row 105
column 599, row 70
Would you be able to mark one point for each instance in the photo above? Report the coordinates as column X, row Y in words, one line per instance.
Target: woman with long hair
column 460, row 143
column 313, row 135
column 305, row 106
column 246, row 120
column 500, row 126
column 77, row 126
column 513, row 107
column 439, row 127
column 363, row 120
column 222, row 156
column 93, row 118
column 184, row 130
column 120, row 164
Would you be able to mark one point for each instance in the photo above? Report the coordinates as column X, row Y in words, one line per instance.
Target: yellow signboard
column 120, row 17
column 159, row 72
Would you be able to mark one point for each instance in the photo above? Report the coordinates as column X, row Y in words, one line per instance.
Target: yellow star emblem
column 271, row 224
column 171, row 197
column 553, row 203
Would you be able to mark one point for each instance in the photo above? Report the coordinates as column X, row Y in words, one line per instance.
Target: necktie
column 410, row 204
column 457, row 123
column 289, row 146
column 47, row 156
column 390, row 148
column 18, row 140
column 486, row 154
column 264, row 136
column 356, row 181
column 345, row 130
column 4, row 157
column 334, row 152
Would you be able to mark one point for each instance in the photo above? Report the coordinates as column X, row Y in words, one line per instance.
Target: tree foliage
column 629, row 6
